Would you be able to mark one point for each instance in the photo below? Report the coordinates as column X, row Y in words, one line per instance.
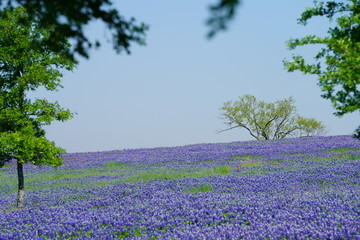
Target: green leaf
column 26, row 64
column 337, row 64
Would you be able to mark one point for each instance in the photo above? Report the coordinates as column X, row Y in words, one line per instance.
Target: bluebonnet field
column 300, row 188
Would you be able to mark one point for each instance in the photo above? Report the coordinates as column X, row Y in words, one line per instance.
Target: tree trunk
column 21, row 191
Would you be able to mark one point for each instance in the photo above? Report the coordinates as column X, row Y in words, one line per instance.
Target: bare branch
column 227, row 129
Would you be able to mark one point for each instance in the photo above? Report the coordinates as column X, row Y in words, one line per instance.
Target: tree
column 337, row 64
column 68, row 19
column 266, row 121
column 26, row 64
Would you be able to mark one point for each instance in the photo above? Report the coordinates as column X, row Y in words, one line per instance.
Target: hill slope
column 290, row 188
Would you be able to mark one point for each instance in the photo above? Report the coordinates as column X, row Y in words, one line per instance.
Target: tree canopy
column 337, row 64
column 67, row 20
column 27, row 64
column 266, row 121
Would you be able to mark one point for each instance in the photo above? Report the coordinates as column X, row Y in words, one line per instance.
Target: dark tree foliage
column 357, row 133
column 68, row 19
column 221, row 13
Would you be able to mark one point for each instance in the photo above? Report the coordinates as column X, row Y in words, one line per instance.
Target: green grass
column 244, row 157
column 125, row 173
column 198, row 189
column 335, row 150
column 134, row 173
column 254, row 171
column 350, row 157
column 223, row 170
column 211, row 160
column 250, row 164
column 341, row 150
column 277, row 162
column 174, row 173
column 109, row 169
column 294, row 154
column 354, row 157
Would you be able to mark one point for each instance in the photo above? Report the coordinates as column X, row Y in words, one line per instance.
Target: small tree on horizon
column 27, row 64
column 266, row 121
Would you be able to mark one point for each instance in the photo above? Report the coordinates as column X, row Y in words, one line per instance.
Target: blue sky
column 168, row 93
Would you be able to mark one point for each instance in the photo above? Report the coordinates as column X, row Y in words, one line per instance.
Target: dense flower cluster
column 301, row 188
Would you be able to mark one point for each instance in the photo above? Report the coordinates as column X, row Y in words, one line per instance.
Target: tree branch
column 227, row 129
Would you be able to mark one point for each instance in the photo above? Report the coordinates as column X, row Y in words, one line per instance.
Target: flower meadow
column 297, row 188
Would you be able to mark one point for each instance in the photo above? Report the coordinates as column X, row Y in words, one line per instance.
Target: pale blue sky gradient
column 168, row 93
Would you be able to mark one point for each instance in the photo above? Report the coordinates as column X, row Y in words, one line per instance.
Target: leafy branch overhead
column 266, row 121
column 220, row 14
column 68, row 18
column 337, row 63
